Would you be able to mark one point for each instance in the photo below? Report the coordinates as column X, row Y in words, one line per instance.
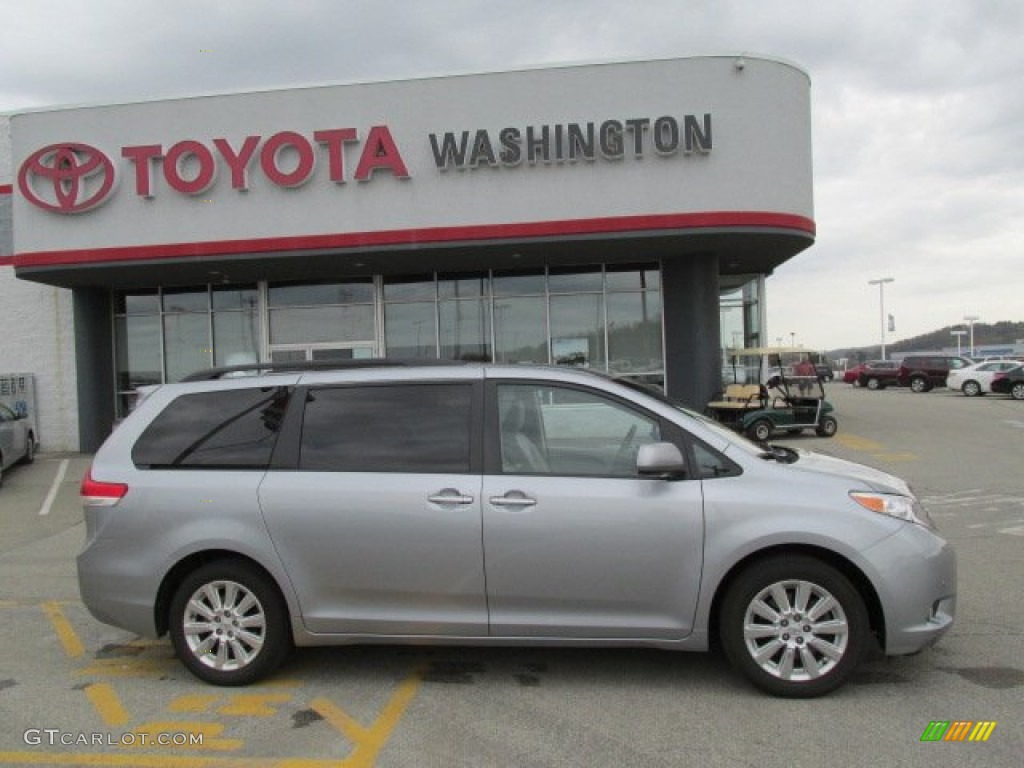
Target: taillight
column 998, row 376
column 100, row 494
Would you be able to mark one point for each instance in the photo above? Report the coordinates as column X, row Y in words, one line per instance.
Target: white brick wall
column 37, row 336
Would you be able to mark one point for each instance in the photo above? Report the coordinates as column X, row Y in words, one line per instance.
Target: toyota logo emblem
column 67, row 178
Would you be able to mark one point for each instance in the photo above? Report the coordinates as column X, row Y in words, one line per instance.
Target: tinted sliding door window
column 416, row 428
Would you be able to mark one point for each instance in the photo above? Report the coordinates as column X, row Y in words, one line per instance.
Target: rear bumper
column 114, row 591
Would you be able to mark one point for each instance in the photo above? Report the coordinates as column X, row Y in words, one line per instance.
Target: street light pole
column 959, row 335
column 880, row 282
column 969, row 319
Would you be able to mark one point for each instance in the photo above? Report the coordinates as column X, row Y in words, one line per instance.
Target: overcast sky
column 917, row 109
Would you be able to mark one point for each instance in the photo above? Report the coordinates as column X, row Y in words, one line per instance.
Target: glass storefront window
column 410, row 330
column 520, row 330
column 608, row 318
column 318, row 294
column 186, row 301
column 629, row 277
column 519, row 284
column 138, row 351
column 575, row 280
column 236, row 336
column 310, row 325
column 465, row 330
column 634, row 332
column 409, row 289
column 577, row 330
column 235, row 298
column 462, row 286
column 186, row 344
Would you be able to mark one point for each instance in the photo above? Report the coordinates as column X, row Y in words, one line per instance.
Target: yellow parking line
column 858, row 443
column 65, row 632
column 127, row 666
column 107, row 703
column 369, row 741
column 254, row 704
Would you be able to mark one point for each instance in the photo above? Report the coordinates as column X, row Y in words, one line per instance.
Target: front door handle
column 450, row 496
column 513, row 499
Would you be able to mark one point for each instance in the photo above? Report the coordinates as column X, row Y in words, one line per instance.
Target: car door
column 576, row 544
column 379, row 523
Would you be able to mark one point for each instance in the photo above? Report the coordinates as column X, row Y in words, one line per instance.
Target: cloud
column 918, row 119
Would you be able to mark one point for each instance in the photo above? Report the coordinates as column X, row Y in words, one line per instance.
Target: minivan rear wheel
column 228, row 623
column 794, row 626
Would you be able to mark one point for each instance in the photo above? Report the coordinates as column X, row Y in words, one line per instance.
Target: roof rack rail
column 258, row 369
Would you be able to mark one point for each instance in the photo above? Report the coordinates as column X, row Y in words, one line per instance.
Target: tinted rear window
column 418, row 428
column 235, row 428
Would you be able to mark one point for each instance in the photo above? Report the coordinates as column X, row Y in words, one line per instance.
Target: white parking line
column 45, row 509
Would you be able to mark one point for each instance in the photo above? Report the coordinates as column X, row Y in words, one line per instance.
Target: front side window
column 416, row 428
column 227, row 429
column 565, row 431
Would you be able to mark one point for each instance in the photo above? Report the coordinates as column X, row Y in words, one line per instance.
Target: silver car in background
column 17, row 440
column 495, row 505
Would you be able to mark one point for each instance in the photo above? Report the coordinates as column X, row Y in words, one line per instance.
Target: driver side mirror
column 662, row 461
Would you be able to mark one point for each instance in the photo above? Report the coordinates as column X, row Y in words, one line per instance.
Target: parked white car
column 976, row 379
column 17, row 440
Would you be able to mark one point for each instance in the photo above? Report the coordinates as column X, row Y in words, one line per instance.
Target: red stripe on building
column 427, row 236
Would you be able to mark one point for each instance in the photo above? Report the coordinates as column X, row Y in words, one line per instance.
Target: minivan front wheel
column 919, row 384
column 794, row 626
column 228, row 623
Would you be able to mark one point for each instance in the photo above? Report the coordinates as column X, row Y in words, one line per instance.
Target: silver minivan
column 495, row 504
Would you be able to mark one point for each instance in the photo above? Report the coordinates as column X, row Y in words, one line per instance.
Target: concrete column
column 94, row 356
column 693, row 356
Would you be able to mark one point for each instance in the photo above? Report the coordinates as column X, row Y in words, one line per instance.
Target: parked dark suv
column 922, row 372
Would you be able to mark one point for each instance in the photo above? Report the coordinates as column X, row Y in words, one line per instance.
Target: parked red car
column 873, row 374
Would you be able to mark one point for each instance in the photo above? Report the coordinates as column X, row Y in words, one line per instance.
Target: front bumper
column 915, row 576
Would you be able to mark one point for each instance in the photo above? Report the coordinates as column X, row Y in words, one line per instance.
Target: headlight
column 901, row 507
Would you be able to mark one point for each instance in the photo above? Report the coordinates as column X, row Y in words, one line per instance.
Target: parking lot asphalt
column 76, row 692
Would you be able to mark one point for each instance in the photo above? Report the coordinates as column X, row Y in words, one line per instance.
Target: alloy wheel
column 224, row 625
column 795, row 630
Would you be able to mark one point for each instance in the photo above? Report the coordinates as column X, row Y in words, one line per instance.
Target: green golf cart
column 773, row 390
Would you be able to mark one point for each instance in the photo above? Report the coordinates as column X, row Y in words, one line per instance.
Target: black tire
column 971, row 388
column 218, row 656
column 873, row 384
column 760, row 430
column 827, row 427
column 919, row 384
column 811, row 671
column 1017, row 391
column 30, row 450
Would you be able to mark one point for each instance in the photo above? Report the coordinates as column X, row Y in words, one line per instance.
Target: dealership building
column 621, row 217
